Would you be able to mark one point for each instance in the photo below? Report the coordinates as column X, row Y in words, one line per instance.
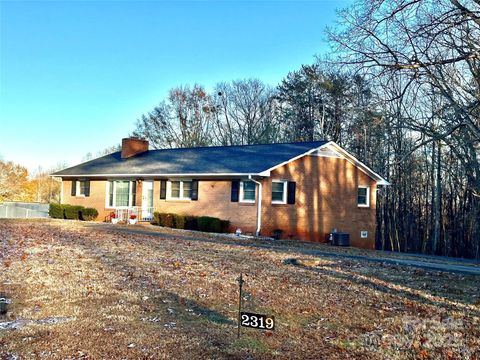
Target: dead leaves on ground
column 343, row 309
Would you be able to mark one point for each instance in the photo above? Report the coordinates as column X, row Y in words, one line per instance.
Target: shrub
column 209, row 224
column 73, row 212
column 179, row 221
column 224, row 226
column 164, row 219
column 55, row 211
column 169, row 220
column 89, row 214
column 161, row 218
column 202, row 223
column 191, row 222
column 156, row 218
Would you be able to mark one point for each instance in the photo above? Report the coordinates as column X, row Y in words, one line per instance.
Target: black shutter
column 74, row 187
column 291, row 192
column 194, row 190
column 87, row 187
column 163, row 189
column 235, row 190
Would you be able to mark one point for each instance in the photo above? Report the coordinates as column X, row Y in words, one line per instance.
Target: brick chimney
column 133, row 146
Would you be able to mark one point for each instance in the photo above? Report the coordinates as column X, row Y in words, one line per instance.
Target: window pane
column 121, row 196
column 150, row 198
column 134, row 192
column 249, row 190
column 82, row 186
column 277, row 187
column 248, row 186
column 362, row 196
column 277, row 196
column 362, row 191
column 187, row 186
column 175, row 189
column 277, row 191
column 110, row 195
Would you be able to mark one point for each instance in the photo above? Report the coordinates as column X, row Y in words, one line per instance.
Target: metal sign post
column 252, row 320
column 240, row 284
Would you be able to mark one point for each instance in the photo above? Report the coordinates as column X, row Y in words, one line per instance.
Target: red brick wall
column 95, row 200
column 213, row 200
column 326, row 198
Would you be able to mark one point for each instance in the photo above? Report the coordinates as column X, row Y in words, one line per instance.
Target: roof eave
column 155, row 175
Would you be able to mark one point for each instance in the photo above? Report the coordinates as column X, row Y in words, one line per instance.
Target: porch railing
column 141, row 213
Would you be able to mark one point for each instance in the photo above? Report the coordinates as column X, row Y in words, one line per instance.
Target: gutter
column 259, row 205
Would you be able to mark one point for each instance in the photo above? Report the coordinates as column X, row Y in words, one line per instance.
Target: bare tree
column 184, row 120
column 245, row 113
column 423, row 57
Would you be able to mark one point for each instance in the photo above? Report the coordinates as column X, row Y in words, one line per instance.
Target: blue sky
column 75, row 75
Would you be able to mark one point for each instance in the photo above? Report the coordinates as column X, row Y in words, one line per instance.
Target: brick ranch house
column 304, row 189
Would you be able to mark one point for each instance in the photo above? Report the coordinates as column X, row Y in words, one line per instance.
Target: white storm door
column 147, row 200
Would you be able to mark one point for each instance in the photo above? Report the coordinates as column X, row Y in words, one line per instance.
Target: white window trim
column 169, row 189
column 368, row 196
column 77, row 188
column 284, row 200
column 107, row 193
column 241, row 194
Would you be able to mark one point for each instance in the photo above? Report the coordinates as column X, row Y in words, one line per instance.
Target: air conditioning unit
column 340, row 239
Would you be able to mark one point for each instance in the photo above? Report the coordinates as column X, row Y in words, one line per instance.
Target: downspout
column 259, row 205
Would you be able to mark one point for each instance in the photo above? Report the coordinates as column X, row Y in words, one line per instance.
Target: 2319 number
column 257, row 321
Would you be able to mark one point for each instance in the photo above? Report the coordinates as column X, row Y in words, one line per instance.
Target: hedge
column 179, row 221
column 72, row 212
column 89, row 214
column 202, row 223
column 156, row 218
column 224, row 226
column 209, row 224
column 56, row 211
column 191, row 222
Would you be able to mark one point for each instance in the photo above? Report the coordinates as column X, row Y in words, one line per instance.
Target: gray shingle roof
column 224, row 160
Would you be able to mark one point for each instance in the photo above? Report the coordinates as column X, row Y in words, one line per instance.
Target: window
column 81, row 187
column 279, row 192
column 175, row 192
column 363, row 196
column 247, row 191
column 180, row 189
column 187, row 189
column 121, row 193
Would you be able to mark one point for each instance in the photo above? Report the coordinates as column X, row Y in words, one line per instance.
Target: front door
column 147, row 200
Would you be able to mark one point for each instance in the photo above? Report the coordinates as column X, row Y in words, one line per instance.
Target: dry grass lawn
column 119, row 296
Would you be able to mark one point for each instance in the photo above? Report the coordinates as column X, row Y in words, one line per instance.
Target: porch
column 140, row 213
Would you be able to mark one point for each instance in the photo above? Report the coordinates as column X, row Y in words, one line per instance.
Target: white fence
column 19, row 210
